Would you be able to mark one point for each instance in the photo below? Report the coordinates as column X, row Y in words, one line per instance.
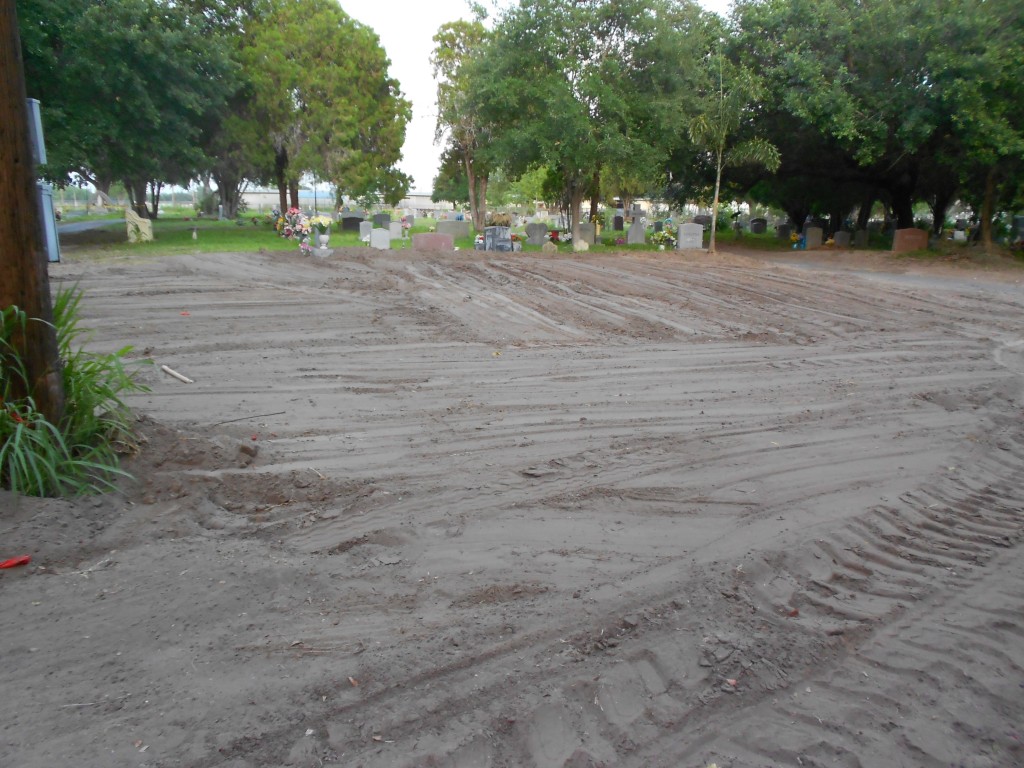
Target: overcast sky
column 406, row 29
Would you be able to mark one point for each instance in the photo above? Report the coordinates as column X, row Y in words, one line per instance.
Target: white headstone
column 395, row 228
column 637, row 232
column 380, row 239
column 365, row 228
column 691, row 235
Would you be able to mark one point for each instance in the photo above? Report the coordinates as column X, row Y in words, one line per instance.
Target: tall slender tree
column 456, row 45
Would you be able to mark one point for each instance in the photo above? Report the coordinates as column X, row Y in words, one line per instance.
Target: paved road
column 82, row 226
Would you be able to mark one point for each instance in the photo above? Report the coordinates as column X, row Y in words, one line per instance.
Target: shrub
column 80, row 455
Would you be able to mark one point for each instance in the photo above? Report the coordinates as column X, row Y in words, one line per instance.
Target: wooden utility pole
column 24, row 279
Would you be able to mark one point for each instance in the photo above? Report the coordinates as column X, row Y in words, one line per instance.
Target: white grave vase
column 324, row 238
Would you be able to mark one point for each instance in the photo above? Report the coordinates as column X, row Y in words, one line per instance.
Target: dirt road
column 633, row 510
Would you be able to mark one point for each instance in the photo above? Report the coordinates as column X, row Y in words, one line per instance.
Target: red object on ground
column 14, row 561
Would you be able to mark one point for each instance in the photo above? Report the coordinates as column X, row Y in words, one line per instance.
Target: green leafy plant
column 79, row 455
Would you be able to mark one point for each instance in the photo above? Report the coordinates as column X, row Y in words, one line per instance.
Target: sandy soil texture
column 455, row 511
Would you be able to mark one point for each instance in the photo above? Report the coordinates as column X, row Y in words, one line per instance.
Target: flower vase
column 324, row 238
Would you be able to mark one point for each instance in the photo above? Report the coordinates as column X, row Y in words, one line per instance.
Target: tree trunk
column 137, row 196
column 577, row 192
column 477, row 194
column 939, row 205
column 154, row 197
column 988, row 207
column 864, row 214
column 280, row 166
column 902, row 193
column 26, row 282
column 293, row 193
column 595, row 195
column 714, row 204
column 481, row 202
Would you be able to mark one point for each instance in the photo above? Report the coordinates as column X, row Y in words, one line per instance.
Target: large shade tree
column 903, row 101
column 322, row 93
column 125, row 86
column 583, row 85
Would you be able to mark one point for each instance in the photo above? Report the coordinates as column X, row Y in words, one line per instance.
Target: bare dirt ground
column 629, row 510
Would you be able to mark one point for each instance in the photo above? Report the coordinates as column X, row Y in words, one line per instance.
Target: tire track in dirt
column 552, row 522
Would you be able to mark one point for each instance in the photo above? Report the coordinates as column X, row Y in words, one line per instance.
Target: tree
column 124, row 85
column 329, row 108
column 456, row 44
column 25, row 284
column 922, row 97
column 579, row 86
column 722, row 112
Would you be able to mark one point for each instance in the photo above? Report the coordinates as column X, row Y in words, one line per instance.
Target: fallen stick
column 175, row 374
column 243, row 418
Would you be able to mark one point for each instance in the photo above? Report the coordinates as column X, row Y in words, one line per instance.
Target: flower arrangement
column 664, row 237
column 598, row 218
column 295, row 225
column 322, row 223
column 516, row 238
column 553, row 235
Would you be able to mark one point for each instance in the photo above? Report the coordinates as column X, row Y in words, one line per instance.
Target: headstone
column 783, row 231
column 812, row 237
column 860, row 238
column 618, row 223
column 959, row 235
column 703, row 219
column 588, row 232
column 841, row 239
column 910, row 239
column 691, row 236
column 536, row 233
column 365, row 228
column 457, row 229
column 961, row 224
column 637, row 233
column 395, row 228
column 410, row 220
column 140, row 230
column 350, row 221
column 497, row 239
column 380, row 238
column 659, row 226
column 432, row 241
column 549, row 247
column 580, row 245
column 381, row 220
column 758, row 226
column 1018, row 228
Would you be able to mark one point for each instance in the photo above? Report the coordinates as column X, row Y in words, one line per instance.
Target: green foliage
column 587, row 86
column 125, row 86
column 320, row 89
column 79, row 455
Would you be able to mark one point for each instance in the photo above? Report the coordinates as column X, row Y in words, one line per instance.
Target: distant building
column 266, row 200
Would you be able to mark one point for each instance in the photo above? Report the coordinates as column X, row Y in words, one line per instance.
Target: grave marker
column 536, row 233
column 637, row 234
column 691, row 236
column 380, row 239
column 812, row 237
column 910, row 239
